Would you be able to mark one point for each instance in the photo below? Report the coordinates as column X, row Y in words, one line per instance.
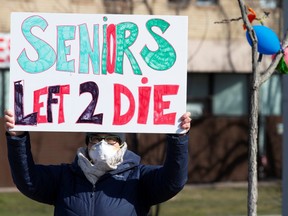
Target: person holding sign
column 105, row 177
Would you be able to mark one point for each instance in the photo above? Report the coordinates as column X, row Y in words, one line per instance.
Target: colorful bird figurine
column 251, row 16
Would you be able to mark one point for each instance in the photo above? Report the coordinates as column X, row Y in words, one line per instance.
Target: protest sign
column 87, row 72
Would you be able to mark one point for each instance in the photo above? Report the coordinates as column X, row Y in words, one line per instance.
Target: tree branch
column 270, row 70
column 253, row 118
column 257, row 80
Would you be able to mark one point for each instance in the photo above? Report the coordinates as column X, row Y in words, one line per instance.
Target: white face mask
column 102, row 152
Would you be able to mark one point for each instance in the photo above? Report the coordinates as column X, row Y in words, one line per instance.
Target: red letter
column 65, row 89
column 38, row 106
column 144, row 99
column 111, row 62
column 160, row 105
column 125, row 118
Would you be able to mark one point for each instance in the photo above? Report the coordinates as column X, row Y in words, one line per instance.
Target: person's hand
column 9, row 123
column 185, row 121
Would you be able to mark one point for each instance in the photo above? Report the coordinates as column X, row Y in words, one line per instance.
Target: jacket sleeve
column 158, row 184
column 38, row 182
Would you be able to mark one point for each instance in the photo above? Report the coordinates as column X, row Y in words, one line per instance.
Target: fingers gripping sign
column 186, row 121
column 9, row 123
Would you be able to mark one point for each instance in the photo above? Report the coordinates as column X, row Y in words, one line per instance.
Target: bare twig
column 228, row 20
column 270, row 70
column 224, row 21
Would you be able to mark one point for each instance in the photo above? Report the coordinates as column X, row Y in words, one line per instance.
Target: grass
column 222, row 201
column 12, row 204
column 192, row 201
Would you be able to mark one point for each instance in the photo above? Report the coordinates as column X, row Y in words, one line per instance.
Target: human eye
column 112, row 139
column 95, row 139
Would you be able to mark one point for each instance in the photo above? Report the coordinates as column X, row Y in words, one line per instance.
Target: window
column 198, row 102
column 217, row 94
column 271, row 96
column 177, row 1
column 230, row 94
column 118, row 6
column 206, row 2
column 272, row 4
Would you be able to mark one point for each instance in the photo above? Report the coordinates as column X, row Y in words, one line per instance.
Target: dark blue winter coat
column 131, row 189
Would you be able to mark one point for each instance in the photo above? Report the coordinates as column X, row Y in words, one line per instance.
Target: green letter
column 64, row 33
column 46, row 54
column 165, row 56
column 123, row 46
column 86, row 51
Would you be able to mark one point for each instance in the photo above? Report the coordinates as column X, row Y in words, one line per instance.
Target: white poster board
column 87, row 72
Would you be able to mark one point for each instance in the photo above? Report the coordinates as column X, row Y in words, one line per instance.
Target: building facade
column 218, row 80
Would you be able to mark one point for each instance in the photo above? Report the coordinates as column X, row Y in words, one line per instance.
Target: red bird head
column 251, row 16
